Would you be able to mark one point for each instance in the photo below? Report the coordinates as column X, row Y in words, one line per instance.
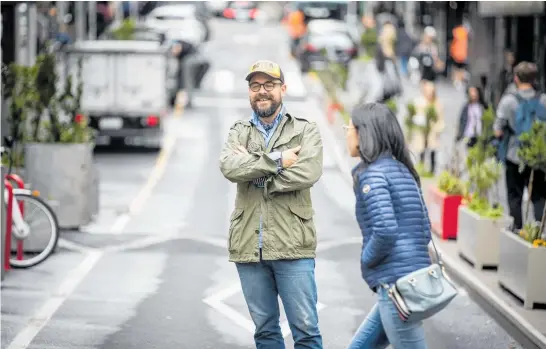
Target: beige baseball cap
column 266, row 67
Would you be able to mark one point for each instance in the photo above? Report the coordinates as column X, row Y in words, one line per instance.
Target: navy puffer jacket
column 395, row 226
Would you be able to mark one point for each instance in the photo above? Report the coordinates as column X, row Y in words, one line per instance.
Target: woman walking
column 427, row 145
column 393, row 221
column 470, row 120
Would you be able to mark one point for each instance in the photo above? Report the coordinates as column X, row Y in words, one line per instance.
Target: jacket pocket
column 234, row 232
column 303, row 226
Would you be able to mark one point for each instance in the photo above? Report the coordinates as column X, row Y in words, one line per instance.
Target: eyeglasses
column 268, row 86
column 346, row 128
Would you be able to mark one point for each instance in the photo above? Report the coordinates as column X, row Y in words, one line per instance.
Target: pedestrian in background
column 393, row 222
column 404, row 47
column 470, row 119
column 427, row 53
column 382, row 78
column 275, row 158
column 513, row 109
column 427, row 146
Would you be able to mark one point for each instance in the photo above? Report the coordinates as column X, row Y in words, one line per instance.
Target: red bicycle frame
column 20, row 185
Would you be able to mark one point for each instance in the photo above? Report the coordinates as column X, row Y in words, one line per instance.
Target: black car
column 325, row 41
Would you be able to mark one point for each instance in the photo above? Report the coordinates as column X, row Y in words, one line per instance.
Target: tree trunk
column 529, row 191
column 543, row 223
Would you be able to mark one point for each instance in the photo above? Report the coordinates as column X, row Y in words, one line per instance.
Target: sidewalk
column 527, row 326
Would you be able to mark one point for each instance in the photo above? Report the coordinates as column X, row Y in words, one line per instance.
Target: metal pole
column 134, row 10
column 61, row 13
column 409, row 17
column 80, row 20
column 32, row 33
column 21, row 34
column 92, row 15
column 118, row 14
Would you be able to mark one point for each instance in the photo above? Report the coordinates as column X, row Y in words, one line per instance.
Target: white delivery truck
column 126, row 89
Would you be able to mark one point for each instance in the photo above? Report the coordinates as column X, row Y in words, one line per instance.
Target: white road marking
column 120, row 223
column 70, row 245
column 216, row 301
column 44, row 314
column 141, row 243
column 155, row 176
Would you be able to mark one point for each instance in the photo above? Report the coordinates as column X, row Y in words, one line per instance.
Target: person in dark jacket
column 193, row 67
column 393, row 220
column 470, row 120
column 404, row 47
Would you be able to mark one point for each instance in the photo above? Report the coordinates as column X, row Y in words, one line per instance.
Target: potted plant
column 523, row 255
column 17, row 90
column 480, row 221
column 445, row 197
column 409, row 123
column 59, row 154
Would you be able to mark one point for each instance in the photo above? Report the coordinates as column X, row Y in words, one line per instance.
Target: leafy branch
column 532, row 152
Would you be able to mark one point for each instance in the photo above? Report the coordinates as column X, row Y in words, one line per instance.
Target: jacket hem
column 271, row 256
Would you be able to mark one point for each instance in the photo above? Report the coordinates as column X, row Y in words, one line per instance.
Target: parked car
column 217, row 7
column 241, row 10
column 326, row 41
column 183, row 15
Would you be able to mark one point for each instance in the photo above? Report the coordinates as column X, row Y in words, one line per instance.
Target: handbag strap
column 439, row 260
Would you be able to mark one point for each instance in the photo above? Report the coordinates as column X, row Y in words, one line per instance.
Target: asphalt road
column 160, row 278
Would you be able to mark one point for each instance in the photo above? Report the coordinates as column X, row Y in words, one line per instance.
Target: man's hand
column 290, row 156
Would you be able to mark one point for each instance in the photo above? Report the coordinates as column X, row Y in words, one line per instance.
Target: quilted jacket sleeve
column 377, row 200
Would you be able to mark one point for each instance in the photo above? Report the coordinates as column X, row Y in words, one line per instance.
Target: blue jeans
column 294, row 282
column 404, row 65
column 383, row 326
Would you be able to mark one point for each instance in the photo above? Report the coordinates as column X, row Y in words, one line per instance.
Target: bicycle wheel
column 35, row 206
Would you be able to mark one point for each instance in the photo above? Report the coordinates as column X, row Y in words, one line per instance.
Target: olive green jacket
column 288, row 231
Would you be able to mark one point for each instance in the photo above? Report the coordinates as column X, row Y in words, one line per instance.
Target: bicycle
column 21, row 228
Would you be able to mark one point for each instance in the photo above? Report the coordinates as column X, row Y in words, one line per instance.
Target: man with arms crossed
column 275, row 158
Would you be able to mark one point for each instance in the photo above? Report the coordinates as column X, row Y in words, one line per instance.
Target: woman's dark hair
column 379, row 133
column 481, row 98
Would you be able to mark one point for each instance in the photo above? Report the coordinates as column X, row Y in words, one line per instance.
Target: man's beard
column 264, row 112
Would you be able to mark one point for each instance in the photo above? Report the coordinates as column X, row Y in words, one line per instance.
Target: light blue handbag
column 424, row 292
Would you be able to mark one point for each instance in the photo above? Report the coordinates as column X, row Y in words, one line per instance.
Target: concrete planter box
column 521, row 269
column 443, row 210
column 478, row 238
column 64, row 174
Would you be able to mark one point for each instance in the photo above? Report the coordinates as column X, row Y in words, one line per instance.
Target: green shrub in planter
column 532, row 153
column 450, row 184
column 369, row 40
column 125, row 31
column 410, row 126
column 483, row 173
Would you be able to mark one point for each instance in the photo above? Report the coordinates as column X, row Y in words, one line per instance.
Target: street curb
column 516, row 320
